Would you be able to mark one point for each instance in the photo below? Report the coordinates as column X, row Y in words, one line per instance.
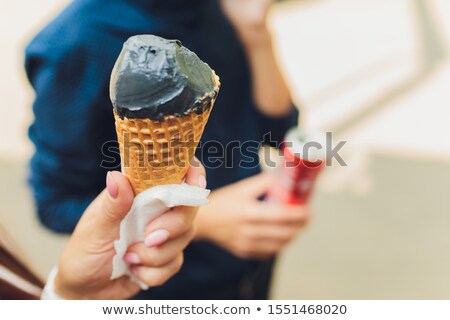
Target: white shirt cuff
column 49, row 290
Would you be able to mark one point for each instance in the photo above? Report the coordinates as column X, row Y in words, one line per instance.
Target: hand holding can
column 303, row 159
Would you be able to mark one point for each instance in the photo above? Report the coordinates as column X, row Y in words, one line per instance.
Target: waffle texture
column 158, row 152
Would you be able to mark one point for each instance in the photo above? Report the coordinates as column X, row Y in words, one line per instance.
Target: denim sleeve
column 70, row 106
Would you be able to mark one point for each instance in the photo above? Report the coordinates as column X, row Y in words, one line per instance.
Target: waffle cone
column 158, row 152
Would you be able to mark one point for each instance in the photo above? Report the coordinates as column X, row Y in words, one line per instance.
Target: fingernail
column 195, row 162
column 156, row 238
column 134, row 270
column 202, row 182
column 111, row 185
column 132, row 258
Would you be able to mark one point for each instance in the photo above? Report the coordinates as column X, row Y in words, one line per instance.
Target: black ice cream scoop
column 154, row 77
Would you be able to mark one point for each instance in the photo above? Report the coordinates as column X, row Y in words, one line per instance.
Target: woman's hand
column 85, row 265
column 237, row 221
column 248, row 17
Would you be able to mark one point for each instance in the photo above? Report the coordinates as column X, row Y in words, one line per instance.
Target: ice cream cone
column 162, row 96
column 158, row 152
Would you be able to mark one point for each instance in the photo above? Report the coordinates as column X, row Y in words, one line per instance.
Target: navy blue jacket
column 69, row 64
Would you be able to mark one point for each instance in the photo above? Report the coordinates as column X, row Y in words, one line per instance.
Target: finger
column 262, row 249
column 196, row 175
column 272, row 232
column 267, row 248
column 272, row 213
column 154, row 277
column 170, row 225
column 254, row 186
column 111, row 206
column 158, row 256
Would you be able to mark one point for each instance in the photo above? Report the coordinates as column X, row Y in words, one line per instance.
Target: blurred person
column 69, row 65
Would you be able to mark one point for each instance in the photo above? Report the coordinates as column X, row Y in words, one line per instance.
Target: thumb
column 256, row 185
column 117, row 200
column 196, row 175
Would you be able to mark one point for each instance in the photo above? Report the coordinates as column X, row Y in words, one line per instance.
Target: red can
column 302, row 161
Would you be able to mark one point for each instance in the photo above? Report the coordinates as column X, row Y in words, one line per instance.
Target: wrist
column 57, row 288
column 256, row 38
column 257, row 42
column 64, row 289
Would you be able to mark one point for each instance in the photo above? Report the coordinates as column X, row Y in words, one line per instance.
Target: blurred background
column 377, row 74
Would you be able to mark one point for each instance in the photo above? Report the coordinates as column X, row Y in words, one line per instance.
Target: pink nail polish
column 111, row 185
column 202, row 182
column 132, row 258
column 156, row 238
column 134, row 270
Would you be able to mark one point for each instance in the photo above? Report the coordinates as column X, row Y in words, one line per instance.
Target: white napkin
column 146, row 207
